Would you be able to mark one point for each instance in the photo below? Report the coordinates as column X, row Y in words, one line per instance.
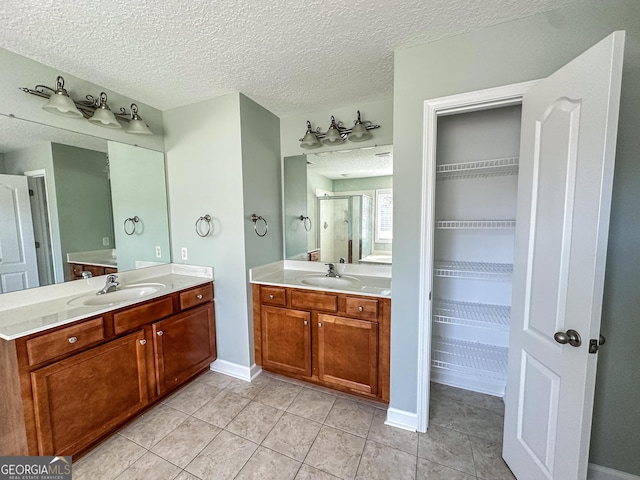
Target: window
column 384, row 215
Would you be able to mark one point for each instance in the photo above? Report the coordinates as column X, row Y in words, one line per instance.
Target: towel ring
column 133, row 221
column 206, row 218
column 254, row 219
column 305, row 221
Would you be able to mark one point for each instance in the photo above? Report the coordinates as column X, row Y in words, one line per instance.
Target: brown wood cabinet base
column 332, row 339
column 62, row 400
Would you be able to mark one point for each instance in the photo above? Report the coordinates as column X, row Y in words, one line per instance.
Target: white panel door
column 18, row 265
column 569, row 125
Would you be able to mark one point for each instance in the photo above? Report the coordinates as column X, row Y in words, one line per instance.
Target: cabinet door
column 348, row 353
column 183, row 345
column 286, row 340
column 79, row 399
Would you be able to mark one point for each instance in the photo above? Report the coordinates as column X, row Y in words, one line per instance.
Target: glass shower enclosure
column 345, row 228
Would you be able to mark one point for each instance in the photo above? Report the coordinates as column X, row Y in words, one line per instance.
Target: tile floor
column 219, row 427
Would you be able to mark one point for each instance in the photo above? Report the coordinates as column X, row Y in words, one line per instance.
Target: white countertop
column 372, row 281
column 34, row 310
column 100, row 258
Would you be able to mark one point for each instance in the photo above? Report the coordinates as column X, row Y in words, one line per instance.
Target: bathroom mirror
column 82, row 189
column 338, row 206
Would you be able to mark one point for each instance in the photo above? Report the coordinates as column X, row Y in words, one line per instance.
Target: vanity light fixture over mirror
column 337, row 133
column 96, row 110
column 338, row 206
column 84, row 188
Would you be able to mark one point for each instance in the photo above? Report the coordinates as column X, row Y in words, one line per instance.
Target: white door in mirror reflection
column 18, row 265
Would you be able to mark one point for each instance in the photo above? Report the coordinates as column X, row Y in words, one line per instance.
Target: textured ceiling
column 16, row 134
column 290, row 56
column 352, row 163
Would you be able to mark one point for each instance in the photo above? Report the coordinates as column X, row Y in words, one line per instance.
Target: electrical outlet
column 183, row 253
column 105, row 241
column 158, row 251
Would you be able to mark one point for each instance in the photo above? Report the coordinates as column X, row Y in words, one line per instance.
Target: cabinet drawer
column 273, row 296
column 134, row 317
column 196, row 296
column 314, row 301
column 63, row 341
column 366, row 308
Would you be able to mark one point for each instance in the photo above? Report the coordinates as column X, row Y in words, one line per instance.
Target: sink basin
column 321, row 280
column 124, row 294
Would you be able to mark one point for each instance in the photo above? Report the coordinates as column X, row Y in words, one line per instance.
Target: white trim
column 597, row 472
column 234, row 370
column 461, row 103
column 255, row 371
column 401, row 419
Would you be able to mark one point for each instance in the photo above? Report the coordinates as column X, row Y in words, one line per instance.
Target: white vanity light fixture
column 59, row 102
column 103, row 116
column 337, row 133
column 96, row 110
column 136, row 125
column 310, row 139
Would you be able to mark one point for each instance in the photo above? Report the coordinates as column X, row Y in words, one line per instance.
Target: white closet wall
column 475, row 206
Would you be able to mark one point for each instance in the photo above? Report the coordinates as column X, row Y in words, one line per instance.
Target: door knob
column 571, row 337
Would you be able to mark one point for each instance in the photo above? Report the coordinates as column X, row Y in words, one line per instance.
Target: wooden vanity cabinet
column 183, row 345
column 77, row 400
column 76, row 270
column 82, row 381
column 337, row 340
column 348, row 353
column 286, row 340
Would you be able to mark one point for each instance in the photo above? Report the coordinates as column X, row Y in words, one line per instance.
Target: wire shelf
column 480, row 168
column 475, row 224
column 496, row 317
column 473, row 270
column 469, row 358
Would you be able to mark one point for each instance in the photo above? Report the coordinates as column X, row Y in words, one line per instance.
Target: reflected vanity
column 338, row 206
column 85, row 192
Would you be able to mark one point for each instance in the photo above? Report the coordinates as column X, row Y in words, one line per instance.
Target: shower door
column 344, row 227
column 334, row 214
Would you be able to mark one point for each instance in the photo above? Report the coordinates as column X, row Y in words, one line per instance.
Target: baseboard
column 255, row 371
column 235, row 370
column 597, row 472
column 402, row 419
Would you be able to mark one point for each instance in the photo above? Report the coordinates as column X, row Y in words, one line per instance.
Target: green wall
column 138, row 188
column 84, row 199
column 522, row 50
column 357, row 184
column 295, row 204
column 223, row 159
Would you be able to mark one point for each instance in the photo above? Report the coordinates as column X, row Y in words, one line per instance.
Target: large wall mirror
column 338, row 206
column 70, row 198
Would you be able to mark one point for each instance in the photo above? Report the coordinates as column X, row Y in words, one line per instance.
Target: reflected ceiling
column 357, row 163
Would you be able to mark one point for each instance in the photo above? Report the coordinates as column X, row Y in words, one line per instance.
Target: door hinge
column 37, row 244
column 31, row 194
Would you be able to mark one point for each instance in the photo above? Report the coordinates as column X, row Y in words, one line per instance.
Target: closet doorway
column 565, row 176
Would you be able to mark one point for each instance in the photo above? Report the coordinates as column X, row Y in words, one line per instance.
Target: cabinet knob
column 73, row 339
column 143, row 342
column 305, row 322
column 199, row 296
column 270, row 297
column 319, row 324
column 360, row 309
column 159, row 333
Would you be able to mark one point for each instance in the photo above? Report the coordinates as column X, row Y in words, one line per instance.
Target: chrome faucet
column 110, row 286
column 332, row 271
